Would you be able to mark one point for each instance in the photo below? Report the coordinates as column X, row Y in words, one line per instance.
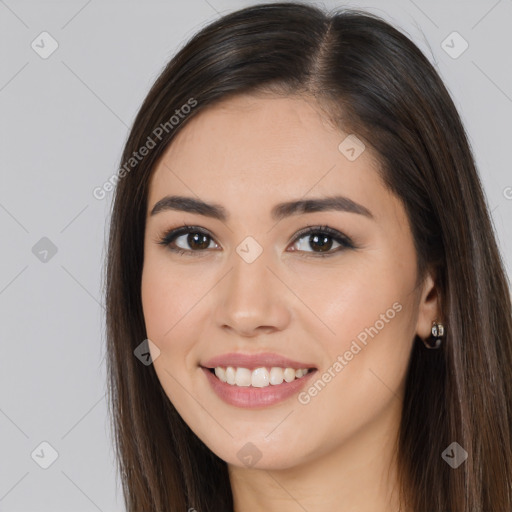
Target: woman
column 306, row 306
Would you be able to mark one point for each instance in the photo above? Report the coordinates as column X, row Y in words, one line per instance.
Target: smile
column 263, row 393
column 259, row 377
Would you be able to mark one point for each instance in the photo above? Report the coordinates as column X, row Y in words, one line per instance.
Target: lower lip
column 251, row 397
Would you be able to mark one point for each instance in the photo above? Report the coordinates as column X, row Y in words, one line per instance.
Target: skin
column 247, row 154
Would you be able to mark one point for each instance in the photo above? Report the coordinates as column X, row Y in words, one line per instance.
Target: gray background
column 64, row 120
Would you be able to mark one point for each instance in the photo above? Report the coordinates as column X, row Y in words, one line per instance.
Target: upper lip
column 252, row 361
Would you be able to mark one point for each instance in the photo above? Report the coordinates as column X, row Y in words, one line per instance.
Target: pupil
column 194, row 237
column 322, row 240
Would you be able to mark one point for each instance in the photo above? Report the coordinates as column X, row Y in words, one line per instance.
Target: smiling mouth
column 258, row 377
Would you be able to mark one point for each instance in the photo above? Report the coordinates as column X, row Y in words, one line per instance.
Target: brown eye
column 196, row 240
column 187, row 239
column 320, row 240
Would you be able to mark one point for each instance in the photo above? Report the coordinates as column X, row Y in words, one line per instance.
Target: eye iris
column 322, row 240
column 194, row 237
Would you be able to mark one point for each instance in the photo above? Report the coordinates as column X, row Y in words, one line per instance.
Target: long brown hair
column 377, row 84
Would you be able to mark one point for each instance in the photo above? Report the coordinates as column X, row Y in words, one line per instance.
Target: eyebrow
column 278, row 212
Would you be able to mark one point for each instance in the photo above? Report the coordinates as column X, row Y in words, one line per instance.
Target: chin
column 253, row 451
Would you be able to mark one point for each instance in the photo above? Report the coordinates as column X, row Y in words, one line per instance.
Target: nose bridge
column 252, row 296
column 250, row 274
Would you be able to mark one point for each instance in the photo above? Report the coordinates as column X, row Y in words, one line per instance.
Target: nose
column 253, row 300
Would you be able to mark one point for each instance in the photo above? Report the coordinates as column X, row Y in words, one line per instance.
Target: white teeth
column 221, row 373
column 276, row 375
column 289, row 374
column 230, row 375
column 259, row 377
column 243, row 377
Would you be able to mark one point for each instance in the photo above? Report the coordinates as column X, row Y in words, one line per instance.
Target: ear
column 429, row 308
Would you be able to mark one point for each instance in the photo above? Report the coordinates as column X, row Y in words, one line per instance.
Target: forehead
column 260, row 146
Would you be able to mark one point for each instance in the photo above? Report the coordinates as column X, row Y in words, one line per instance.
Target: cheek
column 164, row 308
column 354, row 295
column 165, row 317
column 166, row 298
column 363, row 374
column 367, row 318
column 174, row 315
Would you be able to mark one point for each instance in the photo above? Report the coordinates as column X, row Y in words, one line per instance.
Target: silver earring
column 437, row 333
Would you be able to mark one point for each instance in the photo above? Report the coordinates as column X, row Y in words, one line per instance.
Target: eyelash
column 345, row 243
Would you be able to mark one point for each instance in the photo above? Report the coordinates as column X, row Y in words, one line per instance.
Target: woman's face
column 249, row 283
